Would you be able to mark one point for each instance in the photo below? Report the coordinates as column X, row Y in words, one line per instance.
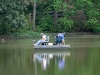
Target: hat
column 41, row 33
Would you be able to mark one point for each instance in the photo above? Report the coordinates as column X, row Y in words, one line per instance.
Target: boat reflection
column 44, row 58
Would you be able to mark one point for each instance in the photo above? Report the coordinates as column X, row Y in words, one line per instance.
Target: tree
column 91, row 10
column 34, row 14
column 12, row 14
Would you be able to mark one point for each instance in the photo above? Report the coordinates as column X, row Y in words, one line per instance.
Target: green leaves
column 12, row 13
column 65, row 24
column 59, row 5
column 46, row 23
column 94, row 25
column 93, row 13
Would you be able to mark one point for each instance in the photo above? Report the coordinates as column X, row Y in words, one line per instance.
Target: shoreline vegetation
column 31, row 34
column 48, row 16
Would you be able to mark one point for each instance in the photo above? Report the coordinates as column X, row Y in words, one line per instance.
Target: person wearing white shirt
column 41, row 40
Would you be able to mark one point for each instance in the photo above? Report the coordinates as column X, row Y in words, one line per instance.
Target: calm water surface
column 17, row 57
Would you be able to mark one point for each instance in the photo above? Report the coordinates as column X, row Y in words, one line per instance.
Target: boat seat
column 46, row 41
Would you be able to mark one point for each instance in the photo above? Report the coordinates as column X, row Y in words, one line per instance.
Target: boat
column 51, row 51
column 52, row 47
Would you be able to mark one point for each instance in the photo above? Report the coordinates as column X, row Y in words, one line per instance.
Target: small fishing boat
column 52, row 47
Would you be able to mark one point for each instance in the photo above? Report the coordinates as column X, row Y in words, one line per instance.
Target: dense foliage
column 51, row 15
column 12, row 16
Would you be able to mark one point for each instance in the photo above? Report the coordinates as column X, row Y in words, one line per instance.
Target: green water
column 83, row 58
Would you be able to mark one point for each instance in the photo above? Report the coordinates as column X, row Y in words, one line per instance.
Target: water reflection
column 45, row 58
column 60, row 61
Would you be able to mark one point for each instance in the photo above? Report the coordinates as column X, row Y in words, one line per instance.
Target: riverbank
column 31, row 34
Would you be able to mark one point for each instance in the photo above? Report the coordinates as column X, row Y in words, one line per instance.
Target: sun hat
column 41, row 33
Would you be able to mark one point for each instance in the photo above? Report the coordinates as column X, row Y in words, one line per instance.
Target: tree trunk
column 55, row 18
column 34, row 14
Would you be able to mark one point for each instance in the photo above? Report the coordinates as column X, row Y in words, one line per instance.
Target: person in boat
column 60, row 39
column 63, row 38
column 64, row 34
column 42, row 40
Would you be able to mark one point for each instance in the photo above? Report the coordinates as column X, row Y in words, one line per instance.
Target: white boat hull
column 52, row 47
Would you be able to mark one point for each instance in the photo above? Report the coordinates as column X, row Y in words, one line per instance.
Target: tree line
column 49, row 16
